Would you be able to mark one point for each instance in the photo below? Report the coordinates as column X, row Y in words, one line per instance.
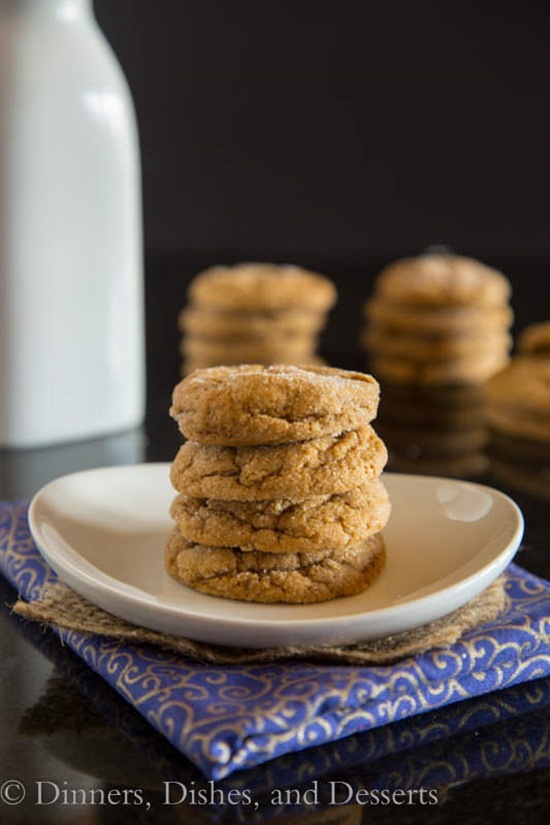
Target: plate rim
column 111, row 586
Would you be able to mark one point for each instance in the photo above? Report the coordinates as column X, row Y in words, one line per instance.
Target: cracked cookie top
column 280, row 525
column 318, row 466
column 292, row 578
column 253, row 405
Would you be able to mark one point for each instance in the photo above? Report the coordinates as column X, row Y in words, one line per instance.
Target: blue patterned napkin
column 226, row 718
column 504, row 732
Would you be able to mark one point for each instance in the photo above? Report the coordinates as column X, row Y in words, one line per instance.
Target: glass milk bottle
column 71, row 291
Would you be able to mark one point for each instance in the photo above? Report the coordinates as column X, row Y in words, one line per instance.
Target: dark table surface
column 58, row 722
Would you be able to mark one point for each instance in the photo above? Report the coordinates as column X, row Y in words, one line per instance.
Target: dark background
column 339, row 129
column 339, row 135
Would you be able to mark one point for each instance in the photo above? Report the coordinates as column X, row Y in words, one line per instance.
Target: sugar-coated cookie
column 284, row 526
column 319, row 466
column 292, row 578
column 252, row 404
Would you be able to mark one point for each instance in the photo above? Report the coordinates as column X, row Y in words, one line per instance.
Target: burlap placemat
column 62, row 607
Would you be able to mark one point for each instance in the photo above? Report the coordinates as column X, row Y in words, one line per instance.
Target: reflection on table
column 434, row 430
column 521, row 465
column 24, row 472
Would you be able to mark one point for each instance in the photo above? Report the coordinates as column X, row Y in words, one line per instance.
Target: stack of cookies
column 518, row 398
column 254, row 314
column 280, row 498
column 438, row 319
column 518, row 412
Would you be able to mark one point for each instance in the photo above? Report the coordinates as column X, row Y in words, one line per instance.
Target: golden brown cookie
column 442, row 321
column 319, row 466
column 535, row 340
column 227, row 325
column 418, row 347
column 442, row 280
column 292, row 578
column 518, row 399
column 296, row 349
column 251, row 404
column 262, row 286
column 284, row 526
column 473, row 369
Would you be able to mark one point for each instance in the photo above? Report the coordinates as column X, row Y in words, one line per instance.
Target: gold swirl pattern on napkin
column 229, row 717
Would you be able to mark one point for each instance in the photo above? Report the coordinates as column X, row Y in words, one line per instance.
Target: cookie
column 521, row 423
column 291, row 349
column 291, row 578
column 442, row 321
column 320, row 466
column 251, row 404
column 518, row 399
column 535, row 340
column 436, row 280
column 428, row 348
column 227, row 325
column 262, row 286
column 281, row 525
column 473, row 369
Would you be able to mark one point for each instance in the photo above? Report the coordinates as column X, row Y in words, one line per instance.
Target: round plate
column 103, row 532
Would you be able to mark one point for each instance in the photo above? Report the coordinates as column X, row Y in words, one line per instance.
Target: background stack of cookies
column 438, row 319
column 254, row 314
column 518, row 412
column 437, row 430
column 280, row 498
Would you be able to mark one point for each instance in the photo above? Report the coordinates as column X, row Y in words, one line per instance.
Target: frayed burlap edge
column 62, row 607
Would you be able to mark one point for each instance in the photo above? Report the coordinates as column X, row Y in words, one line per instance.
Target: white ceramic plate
column 103, row 533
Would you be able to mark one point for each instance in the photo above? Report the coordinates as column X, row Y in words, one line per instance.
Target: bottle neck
column 65, row 11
